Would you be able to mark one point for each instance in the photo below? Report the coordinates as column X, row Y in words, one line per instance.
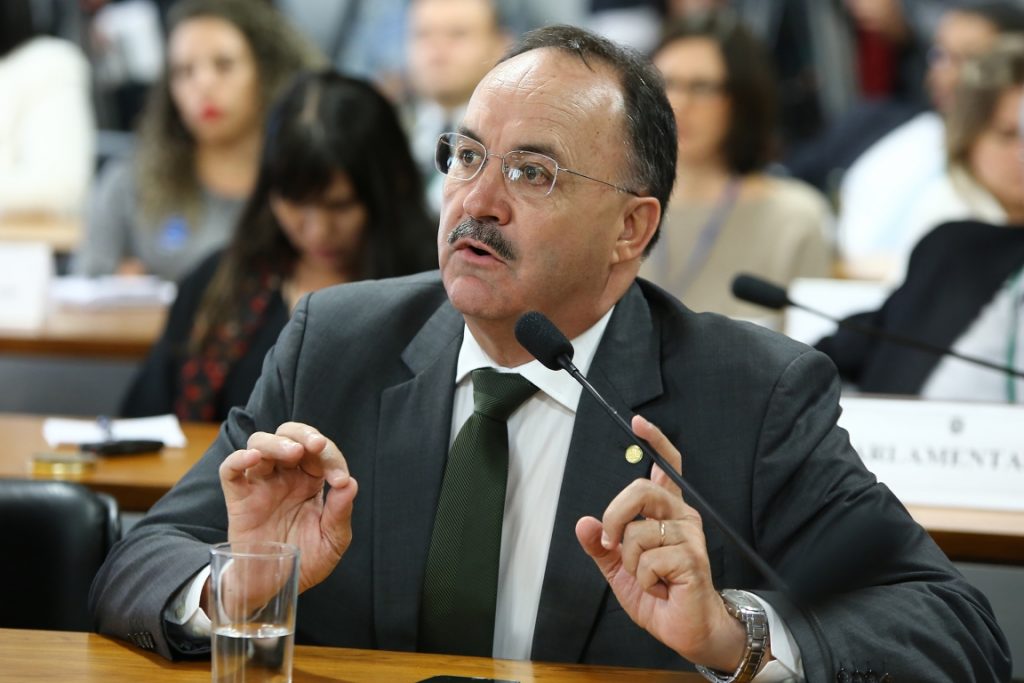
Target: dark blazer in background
column 954, row 271
column 157, row 384
column 372, row 365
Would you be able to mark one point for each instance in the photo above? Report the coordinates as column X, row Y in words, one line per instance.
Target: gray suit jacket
column 372, row 365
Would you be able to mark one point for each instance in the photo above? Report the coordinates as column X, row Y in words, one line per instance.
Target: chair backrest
column 55, row 536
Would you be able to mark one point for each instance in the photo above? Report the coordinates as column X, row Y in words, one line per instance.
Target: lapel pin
column 634, row 454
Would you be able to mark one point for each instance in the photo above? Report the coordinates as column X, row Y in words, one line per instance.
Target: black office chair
column 55, row 535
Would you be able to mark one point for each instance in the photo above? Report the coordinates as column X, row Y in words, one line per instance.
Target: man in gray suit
column 601, row 560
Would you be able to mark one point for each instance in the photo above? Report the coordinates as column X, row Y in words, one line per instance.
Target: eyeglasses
column 938, row 56
column 528, row 173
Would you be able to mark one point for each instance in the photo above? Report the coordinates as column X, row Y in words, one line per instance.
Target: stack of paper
column 112, row 291
column 164, row 428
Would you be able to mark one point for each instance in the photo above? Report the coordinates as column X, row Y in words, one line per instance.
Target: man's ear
column 639, row 224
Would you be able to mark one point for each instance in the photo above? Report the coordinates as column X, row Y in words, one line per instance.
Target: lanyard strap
column 706, row 239
column 1016, row 303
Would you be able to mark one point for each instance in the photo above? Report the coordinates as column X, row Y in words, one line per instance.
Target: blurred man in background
column 451, row 45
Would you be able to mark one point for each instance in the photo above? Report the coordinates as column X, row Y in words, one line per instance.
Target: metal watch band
column 750, row 613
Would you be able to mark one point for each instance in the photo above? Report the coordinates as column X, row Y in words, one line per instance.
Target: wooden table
column 993, row 536
column 62, row 233
column 125, row 333
column 136, row 481
column 119, row 333
column 90, row 658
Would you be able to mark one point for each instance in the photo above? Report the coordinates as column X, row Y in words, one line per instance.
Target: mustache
column 485, row 232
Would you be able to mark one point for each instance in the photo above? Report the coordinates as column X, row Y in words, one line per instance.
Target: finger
column 281, row 449
column 648, row 534
column 234, row 466
column 322, row 457
column 264, row 468
column 676, row 565
column 589, row 532
column 660, row 567
column 647, row 431
column 641, row 498
column 638, row 537
column 336, row 519
column 310, row 437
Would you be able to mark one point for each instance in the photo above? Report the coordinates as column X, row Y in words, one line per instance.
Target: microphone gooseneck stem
column 691, row 495
column 913, row 343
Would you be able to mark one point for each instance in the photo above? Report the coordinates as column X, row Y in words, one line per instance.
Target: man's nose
column 488, row 195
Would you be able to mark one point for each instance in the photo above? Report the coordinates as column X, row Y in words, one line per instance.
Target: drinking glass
column 253, row 598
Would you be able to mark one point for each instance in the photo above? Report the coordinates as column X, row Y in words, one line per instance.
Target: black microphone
column 540, row 337
column 755, row 290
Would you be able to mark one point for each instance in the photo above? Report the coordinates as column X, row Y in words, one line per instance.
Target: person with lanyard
column 496, row 513
column 964, row 287
column 726, row 215
column 964, row 290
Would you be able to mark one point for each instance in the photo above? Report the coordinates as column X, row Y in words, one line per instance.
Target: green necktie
column 460, row 587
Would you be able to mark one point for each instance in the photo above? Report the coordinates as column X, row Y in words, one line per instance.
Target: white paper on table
column 112, row 291
column 166, row 428
column 26, row 269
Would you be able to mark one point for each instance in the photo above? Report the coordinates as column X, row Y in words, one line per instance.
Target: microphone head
column 759, row 291
column 540, row 337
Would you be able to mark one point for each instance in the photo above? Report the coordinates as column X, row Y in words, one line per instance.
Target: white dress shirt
column 996, row 335
column 883, row 185
column 539, row 434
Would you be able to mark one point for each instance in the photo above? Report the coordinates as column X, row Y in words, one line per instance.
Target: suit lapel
column 414, row 428
column 626, row 371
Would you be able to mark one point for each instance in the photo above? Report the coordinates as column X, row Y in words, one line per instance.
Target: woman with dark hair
column 199, row 141
column 47, row 134
column 726, row 214
column 338, row 199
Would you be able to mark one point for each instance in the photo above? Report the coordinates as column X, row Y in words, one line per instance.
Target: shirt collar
column 559, row 385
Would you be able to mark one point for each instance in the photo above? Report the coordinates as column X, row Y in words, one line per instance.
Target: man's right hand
column 274, row 492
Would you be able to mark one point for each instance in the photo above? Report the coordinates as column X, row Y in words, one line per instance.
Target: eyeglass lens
column 462, row 157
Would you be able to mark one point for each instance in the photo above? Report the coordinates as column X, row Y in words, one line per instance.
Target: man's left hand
column 650, row 547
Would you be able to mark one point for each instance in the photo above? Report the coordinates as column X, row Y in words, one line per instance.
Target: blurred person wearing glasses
column 496, row 515
column 981, row 178
column 727, row 215
column 880, row 190
column 337, row 199
column 964, row 286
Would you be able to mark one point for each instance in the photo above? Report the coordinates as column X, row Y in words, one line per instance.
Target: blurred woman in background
column 338, row 199
column 199, row 141
column 983, row 180
column 726, row 215
column 47, row 134
column 964, row 286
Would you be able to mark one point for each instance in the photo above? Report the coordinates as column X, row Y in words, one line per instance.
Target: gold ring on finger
column 661, row 527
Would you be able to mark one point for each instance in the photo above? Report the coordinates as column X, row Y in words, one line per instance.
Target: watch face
column 739, row 600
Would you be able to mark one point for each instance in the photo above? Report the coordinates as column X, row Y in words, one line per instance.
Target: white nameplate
column 25, row 272
column 941, row 453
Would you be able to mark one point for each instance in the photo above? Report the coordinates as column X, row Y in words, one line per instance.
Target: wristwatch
column 749, row 612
